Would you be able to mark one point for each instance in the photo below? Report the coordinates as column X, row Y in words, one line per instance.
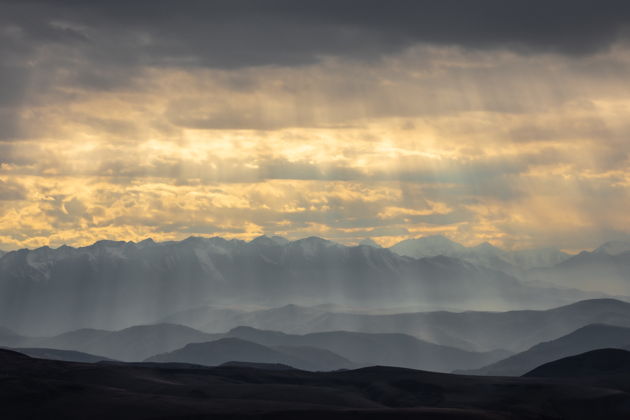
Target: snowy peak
column 108, row 244
column 146, row 243
column 312, row 246
column 534, row 258
column 484, row 254
column 488, row 249
column 265, row 240
column 279, row 240
column 428, row 246
column 369, row 242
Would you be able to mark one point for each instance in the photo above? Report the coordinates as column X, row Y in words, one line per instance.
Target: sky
column 483, row 120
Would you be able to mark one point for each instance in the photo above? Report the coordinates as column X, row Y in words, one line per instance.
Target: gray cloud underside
column 47, row 45
column 234, row 33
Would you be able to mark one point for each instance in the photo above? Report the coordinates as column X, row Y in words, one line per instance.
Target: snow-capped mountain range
column 483, row 254
column 116, row 284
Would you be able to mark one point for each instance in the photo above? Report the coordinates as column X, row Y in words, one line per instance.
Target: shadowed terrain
column 63, row 355
column 221, row 351
column 593, row 363
column 585, row 339
column 36, row 388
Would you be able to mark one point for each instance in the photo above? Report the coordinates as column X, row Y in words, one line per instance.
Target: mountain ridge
column 484, row 254
column 112, row 284
column 393, row 349
column 584, row 339
column 514, row 330
column 233, row 349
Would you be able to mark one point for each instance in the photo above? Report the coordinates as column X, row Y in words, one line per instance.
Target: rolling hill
column 35, row 388
column 374, row 349
column 591, row 337
column 473, row 330
column 593, row 363
column 130, row 344
column 226, row 350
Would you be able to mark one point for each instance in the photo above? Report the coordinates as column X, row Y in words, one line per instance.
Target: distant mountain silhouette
column 585, row 339
column 374, row 349
column 72, row 340
column 130, row 344
column 326, row 350
column 428, row 246
column 369, row 242
column 517, row 330
column 609, row 264
column 474, row 330
column 231, row 349
column 43, row 389
column 482, row 331
column 206, row 318
column 111, row 285
column 10, row 338
column 253, row 365
column 483, row 254
column 593, row 363
column 284, row 318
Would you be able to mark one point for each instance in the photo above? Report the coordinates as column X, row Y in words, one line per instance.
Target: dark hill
column 231, row 349
column 593, row 363
column 130, row 344
column 515, row 331
column 584, row 339
column 375, row 349
column 64, row 355
column 45, row 389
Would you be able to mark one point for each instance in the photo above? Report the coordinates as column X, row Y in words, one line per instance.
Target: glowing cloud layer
column 524, row 146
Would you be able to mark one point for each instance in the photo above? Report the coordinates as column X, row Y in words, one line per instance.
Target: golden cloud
column 516, row 150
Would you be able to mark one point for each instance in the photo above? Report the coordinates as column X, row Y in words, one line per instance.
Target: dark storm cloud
column 235, row 33
column 46, row 46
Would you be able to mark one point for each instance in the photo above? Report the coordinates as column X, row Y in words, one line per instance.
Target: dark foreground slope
column 63, row 355
column 36, row 388
column 593, row 363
